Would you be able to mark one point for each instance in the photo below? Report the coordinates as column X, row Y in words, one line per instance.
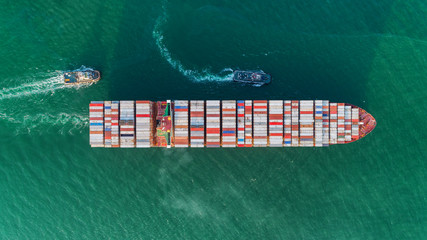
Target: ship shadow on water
column 135, row 69
column 311, row 59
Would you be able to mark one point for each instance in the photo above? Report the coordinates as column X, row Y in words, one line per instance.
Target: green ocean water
column 372, row 54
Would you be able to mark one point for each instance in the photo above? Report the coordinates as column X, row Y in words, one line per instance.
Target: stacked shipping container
column 197, row 123
column 260, row 123
column 288, row 123
column 96, row 124
column 127, row 124
column 306, row 123
column 240, row 123
column 325, row 116
column 115, row 124
column 248, row 124
column 355, row 123
column 229, row 123
column 333, row 123
column 318, row 123
column 341, row 133
column 107, row 124
column 347, row 123
column 295, row 123
column 275, row 129
column 181, row 123
column 143, row 124
column 213, row 123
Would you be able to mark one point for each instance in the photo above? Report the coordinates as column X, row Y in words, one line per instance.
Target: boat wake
column 47, row 85
column 34, row 118
column 45, row 122
column 52, row 82
column 199, row 76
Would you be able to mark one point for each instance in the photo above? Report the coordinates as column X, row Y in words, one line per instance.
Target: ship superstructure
column 226, row 123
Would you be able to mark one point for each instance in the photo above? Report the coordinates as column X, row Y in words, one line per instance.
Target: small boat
column 253, row 77
column 82, row 76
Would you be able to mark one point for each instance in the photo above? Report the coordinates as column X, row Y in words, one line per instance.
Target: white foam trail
column 204, row 75
column 31, row 88
column 55, row 119
column 52, row 83
column 62, row 122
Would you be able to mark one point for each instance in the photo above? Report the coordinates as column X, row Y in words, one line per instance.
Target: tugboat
column 256, row 78
column 86, row 75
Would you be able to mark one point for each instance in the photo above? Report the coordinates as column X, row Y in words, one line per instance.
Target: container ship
column 226, row 123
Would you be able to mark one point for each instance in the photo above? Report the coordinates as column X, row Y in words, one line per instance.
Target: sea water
column 372, row 54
